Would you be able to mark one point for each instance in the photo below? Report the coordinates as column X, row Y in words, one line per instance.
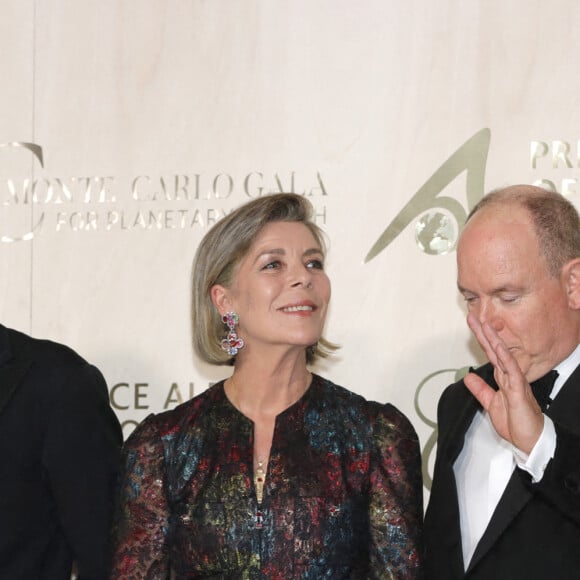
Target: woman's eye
column 271, row 265
column 316, row 264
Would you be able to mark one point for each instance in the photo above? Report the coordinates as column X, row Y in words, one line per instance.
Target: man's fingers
column 498, row 346
column 479, row 389
column 514, row 379
column 477, row 330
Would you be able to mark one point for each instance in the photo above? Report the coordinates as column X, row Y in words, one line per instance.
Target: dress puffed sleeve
column 142, row 515
column 396, row 497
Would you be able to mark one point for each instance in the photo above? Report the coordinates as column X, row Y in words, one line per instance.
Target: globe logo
column 436, row 232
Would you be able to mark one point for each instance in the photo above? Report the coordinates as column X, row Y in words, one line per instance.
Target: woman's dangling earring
column 232, row 342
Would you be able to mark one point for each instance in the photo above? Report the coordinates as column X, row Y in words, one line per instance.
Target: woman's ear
column 220, row 298
column 571, row 278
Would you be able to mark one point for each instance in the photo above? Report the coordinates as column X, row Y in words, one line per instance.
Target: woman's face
column 280, row 290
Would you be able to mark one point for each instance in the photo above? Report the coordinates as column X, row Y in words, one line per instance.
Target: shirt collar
column 565, row 369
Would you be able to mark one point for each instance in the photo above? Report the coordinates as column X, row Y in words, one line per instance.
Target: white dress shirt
column 486, row 462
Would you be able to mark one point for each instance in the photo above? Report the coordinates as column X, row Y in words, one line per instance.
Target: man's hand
column 514, row 412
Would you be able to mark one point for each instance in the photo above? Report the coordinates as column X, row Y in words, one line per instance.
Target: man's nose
column 488, row 312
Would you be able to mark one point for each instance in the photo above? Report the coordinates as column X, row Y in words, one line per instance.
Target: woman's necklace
column 259, row 481
column 259, row 472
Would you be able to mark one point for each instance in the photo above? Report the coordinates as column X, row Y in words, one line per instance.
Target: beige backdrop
column 128, row 127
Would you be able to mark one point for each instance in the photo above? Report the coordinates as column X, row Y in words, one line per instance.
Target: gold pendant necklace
column 259, row 474
column 259, row 481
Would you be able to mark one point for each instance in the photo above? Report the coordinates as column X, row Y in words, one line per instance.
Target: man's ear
column 571, row 279
column 220, row 298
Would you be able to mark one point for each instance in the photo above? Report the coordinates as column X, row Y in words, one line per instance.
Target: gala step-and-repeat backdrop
column 129, row 127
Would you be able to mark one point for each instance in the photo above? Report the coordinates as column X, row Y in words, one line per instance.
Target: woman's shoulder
column 382, row 416
column 331, row 393
column 169, row 424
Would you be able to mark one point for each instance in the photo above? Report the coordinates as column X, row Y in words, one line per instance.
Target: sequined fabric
column 342, row 499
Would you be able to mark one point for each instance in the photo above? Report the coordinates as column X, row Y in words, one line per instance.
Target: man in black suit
column 505, row 501
column 59, row 453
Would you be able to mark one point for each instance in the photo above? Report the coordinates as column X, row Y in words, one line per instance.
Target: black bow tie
column 542, row 389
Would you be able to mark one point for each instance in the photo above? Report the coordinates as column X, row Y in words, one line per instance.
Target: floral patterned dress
column 342, row 499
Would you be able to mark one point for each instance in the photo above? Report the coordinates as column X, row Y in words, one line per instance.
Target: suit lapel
column 447, row 516
column 12, row 369
column 469, row 406
column 515, row 496
column 466, row 408
column 564, row 409
column 453, row 445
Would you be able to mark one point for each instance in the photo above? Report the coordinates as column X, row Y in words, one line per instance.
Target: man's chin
column 534, row 373
column 525, row 365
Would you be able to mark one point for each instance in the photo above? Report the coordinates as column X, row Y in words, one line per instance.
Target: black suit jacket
column 534, row 533
column 59, row 454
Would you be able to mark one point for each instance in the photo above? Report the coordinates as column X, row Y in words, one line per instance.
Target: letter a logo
column 441, row 217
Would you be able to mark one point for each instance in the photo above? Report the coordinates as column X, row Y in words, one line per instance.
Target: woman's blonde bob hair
column 220, row 252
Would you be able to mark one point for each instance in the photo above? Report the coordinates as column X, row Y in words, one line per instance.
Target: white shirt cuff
column 536, row 462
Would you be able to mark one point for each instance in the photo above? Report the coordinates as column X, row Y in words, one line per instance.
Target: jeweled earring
column 232, row 342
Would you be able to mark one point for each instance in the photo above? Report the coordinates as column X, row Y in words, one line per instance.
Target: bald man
column 505, row 501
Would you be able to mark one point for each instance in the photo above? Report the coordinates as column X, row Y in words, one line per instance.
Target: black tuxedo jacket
column 534, row 533
column 59, row 454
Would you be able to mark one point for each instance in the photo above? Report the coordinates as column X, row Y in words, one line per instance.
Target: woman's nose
column 301, row 276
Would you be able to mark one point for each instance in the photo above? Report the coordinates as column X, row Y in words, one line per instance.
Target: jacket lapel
column 465, row 416
column 447, row 516
column 564, row 409
column 515, row 496
column 12, row 369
